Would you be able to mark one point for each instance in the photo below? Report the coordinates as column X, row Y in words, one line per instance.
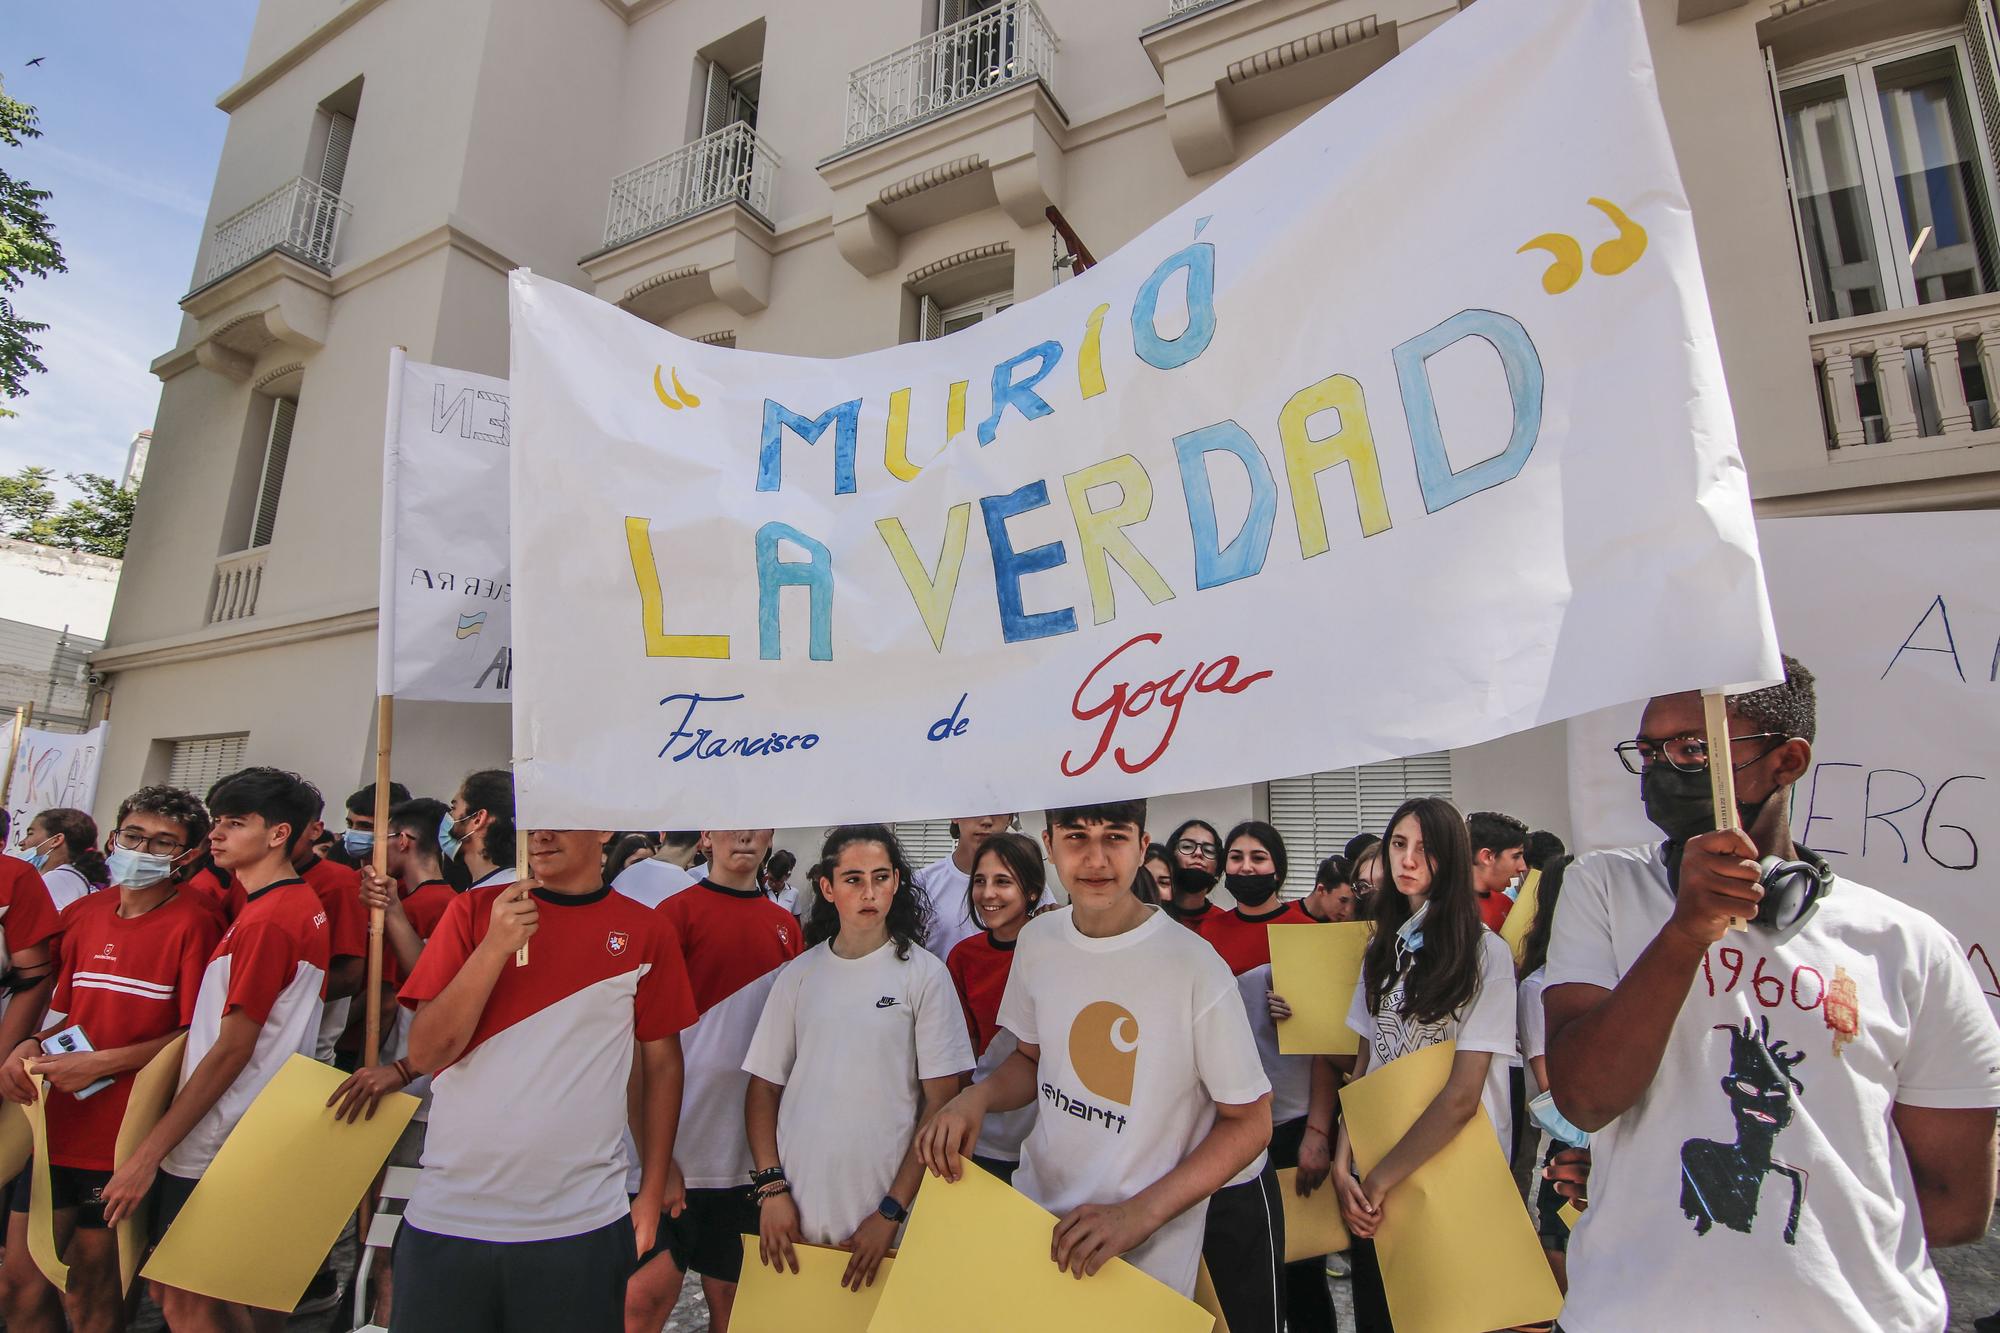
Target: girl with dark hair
column 862, row 1028
column 1533, row 972
column 1196, row 849
column 1432, row 973
column 625, row 849
column 1008, row 882
column 1155, row 884
column 62, row 844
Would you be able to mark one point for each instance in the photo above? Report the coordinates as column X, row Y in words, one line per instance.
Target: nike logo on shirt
column 886, row 1002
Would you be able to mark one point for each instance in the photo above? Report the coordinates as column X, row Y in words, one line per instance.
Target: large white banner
column 52, row 770
column 1409, row 433
column 447, row 604
column 1898, row 616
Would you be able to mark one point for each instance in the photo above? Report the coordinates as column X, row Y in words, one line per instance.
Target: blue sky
column 126, row 92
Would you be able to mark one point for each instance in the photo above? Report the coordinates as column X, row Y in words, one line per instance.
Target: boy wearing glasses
column 1196, row 849
column 129, row 965
column 1795, row 1110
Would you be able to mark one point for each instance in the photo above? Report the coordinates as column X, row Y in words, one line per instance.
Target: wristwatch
column 892, row 1210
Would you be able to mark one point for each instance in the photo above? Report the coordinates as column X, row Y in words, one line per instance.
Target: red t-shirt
column 1493, row 909
column 1193, row 920
column 979, row 965
column 27, row 913
column 123, row 982
column 424, row 906
column 339, row 890
column 729, row 938
column 1244, row 942
column 223, row 895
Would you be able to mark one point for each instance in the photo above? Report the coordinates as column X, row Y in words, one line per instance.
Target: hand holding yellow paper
column 975, row 1259
column 1458, row 1251
column 1521, row 916
column 1313, row 1226
column 153, row 1089
column 769, row 1301
column 1315, row 967
column 273, row 1201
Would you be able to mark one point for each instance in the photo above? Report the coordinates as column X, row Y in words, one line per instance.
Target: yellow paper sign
column 273, row 1201
column 1458, row 1251
column 1315, row 967
column 975, row 1259
column 770, row 1301
column 1312, row 1225
column 153, row 1089
column 1521, row 917
column 1205, row 1297
column 41, row 1210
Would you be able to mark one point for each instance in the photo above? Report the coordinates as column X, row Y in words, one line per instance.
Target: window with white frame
column 1318, row 812
column 1891, row 174
column 939, row 321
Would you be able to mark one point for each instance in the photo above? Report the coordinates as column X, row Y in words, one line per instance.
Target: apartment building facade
column 820, row 179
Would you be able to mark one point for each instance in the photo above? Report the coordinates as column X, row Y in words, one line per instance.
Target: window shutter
column 716, row 106
column 276, row 451
column 925, row 841
column 930, row 319
column 1318, row 812
column 198, row 765
column 1791, row 190
column 950, row 12
column 1982, row 49
column 333, row 163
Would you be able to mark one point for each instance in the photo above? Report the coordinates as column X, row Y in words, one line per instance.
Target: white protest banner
column 53, row 770
column 1409, row 433
column 1898, row 618
column 447, row 612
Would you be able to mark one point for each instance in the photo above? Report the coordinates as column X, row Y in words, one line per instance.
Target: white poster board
column 1438, row 364
column 52, row 770
column 1898, row 616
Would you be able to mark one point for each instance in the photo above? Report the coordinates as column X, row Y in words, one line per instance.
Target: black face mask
column 1190, row 881
column 1682, row 806
column 1251, row 890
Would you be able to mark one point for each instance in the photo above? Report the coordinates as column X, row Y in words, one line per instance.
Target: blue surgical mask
column 448, row 840
column 1410, row 936
column 1543, row 1109
column 37, row 858
column 358, row 841
column 137, row 870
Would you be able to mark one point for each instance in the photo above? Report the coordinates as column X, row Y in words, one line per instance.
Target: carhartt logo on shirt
column 886, row 1002
column 1104, row 1049
column 616, row 941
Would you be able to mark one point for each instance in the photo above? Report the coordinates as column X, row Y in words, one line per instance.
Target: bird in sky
column 37, row 60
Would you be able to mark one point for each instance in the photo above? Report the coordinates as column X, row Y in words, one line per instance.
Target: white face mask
column 137, row 870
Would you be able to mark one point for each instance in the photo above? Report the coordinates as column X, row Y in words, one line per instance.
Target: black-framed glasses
column 1189, row 847
column 1687, row 753
column 159, row 844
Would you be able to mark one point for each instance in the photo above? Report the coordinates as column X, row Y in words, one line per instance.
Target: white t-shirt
column 1141, row 1036
column 1534, row 1026
column 651, row 881
column 849, row 1039
column 1485, row 1023
column 66, row 884
column 1763, row 1160
column 952, row 919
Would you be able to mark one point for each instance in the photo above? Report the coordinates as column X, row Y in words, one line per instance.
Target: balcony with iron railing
column 730, row 165
column 300, row 218
column 1004, row 47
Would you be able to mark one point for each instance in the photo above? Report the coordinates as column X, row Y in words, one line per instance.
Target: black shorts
column 448, row 1284
column 994, row 1166
column 707, row 1238
column 70, row 1187
column 170, row 1195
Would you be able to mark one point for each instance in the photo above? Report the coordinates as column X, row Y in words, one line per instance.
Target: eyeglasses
column 1687, row 753
column 160, row 844
column 1189, row 847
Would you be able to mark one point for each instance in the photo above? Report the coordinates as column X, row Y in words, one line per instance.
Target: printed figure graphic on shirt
column 1721, row 1182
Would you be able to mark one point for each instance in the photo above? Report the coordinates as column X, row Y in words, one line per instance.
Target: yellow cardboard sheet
column 153, row 1089
column 1205, row 1297
column 1315, row 967
column 1521, row 917
column 770, row 1301
column 1312, row 1224
column 975, row 1259
column 274, row 1199
column 1570, row 1214
column 41, row 1212
column 1458, row 1251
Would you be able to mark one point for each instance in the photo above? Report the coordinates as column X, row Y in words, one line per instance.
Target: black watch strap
column 892, row 1210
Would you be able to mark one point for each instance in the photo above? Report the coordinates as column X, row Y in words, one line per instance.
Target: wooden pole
column 520, row 872
column 385, row 714
column 1721, row 773
column 23, row 715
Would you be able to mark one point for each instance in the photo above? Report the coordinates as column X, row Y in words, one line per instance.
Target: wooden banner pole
column 1721, row 772
column 23, row 715
column 521, row 871
column 385, row 714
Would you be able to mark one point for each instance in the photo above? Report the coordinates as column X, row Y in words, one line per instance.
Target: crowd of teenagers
column 1771, row 1089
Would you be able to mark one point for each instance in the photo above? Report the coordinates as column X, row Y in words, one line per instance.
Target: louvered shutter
column 198, row 765
column 1982, row 49
column 277, row 449
column 1791, row 188
column 716, row 108
column 925, row 841
column 333, row 162
column 1318, row 812
column 930, row 319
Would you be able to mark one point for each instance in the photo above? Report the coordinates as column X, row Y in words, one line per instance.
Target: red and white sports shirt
column 123, row 982
column 526, row 1123
column 27, row 913
column 270, row 965
column 979, row 966
column 734, row 941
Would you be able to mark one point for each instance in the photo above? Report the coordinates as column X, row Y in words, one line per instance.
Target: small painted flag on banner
column 471, row 625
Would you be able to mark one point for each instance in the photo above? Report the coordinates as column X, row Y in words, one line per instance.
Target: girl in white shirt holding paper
column 1432, row 973
column 862, row 1029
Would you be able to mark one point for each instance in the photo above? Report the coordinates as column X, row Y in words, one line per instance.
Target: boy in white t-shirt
column 1132, row 1036
column 1792, row 1113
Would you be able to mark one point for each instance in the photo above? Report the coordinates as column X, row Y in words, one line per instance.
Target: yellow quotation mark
column 1613, row 257
column 680, row 397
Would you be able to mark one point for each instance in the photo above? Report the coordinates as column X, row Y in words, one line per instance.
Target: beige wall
column 506, row 121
